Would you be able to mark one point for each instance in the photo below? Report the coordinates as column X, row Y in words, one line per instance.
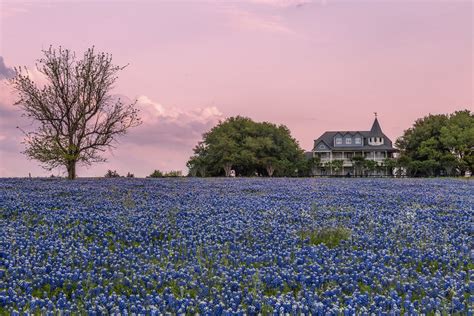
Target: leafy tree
column 76, row 117
column 313, row 163
column 359, row 164
column 270, row 163
column 197, row 164
column 438, row 143
column 389, row 164
column 329, row 166
column 370, row 165
column 130, row 175
column 248, row 147
column 112, row 174
column 337, row 165
column 174, row 174
column 156, row 174
column 458, row 137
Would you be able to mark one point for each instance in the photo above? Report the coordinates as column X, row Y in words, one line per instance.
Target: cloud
column 5, row 72
column 10, row 9
column 283, row 3
column 164, row 141
column 171, row 126
column 250, row 21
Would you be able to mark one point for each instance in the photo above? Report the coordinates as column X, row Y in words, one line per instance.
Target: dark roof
column 376, row 130
column 328, row 139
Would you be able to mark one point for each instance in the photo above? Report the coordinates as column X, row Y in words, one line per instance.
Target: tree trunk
column 270, row 170
column 202, row 171
column 71, row 169
column 227, row 168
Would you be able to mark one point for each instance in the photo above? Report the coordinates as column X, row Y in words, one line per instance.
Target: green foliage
column 330, row 236
column 359, row 165
column 112, row 174
column 337, row 165
column 173, row 173
column 313, row 163
column 390, row 164
column 370, row 165
column 438, row 144
column 156, row 174
column 249, row 148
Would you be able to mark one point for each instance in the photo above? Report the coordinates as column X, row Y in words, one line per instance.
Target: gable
column 321, row 146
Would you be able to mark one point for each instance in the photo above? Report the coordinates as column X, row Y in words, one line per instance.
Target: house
column 350, row 152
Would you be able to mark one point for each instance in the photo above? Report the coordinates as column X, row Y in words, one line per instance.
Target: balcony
column 348, row 162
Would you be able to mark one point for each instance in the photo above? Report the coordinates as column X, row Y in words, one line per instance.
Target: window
column 338, row 141
column 348, row 141
column 358, row 140
column 321, row 146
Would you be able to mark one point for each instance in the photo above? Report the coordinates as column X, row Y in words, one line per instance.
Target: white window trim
column 338, row 140
column 358, row 141
column 348, row 141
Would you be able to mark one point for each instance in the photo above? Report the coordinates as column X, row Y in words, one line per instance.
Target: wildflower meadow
column 236, row 246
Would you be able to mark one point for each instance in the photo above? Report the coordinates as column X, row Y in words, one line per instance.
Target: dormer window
column 348, row 141
column 376, row 141
column 338, row 141
column 358, row 141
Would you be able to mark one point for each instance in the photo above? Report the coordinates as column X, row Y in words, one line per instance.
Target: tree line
column 76, row 119
column 435, row 145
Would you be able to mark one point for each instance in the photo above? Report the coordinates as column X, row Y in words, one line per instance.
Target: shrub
column 130, row 175
column 174, row 173
column 156, row 174
column 112, row 174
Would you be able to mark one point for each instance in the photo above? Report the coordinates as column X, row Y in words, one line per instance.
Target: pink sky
column 311, row 65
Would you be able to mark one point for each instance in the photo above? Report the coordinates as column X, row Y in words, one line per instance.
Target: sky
column 310, row 65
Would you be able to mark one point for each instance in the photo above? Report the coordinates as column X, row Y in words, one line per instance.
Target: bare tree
column 76, row 116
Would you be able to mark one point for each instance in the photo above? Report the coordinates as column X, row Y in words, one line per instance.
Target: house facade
column 350, row 152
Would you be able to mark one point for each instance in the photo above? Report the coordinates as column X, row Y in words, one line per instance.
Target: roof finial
column 375, row 113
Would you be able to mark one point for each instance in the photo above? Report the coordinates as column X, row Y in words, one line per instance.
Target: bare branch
column 76, row 115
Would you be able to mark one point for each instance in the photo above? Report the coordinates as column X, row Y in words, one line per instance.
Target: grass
column 329, row 236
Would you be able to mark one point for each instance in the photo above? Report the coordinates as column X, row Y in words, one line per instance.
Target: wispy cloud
column 164, row 140
column 172, row 126
column 5, row 71
column 251, row 21
column 12, row 8
column 283, row 3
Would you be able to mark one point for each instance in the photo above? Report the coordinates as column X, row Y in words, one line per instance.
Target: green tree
column 370, row 165
column 438, row 143
column 337, row 165
column 248, row 147
column 458, row 137
column 111, row 174
column 313, row 163
column 197, row 164
column 156, row 174
column 328, row 165
column 359, row 163
column 389, row 164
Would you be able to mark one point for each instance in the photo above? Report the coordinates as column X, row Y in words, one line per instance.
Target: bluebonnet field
column 236, row 246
